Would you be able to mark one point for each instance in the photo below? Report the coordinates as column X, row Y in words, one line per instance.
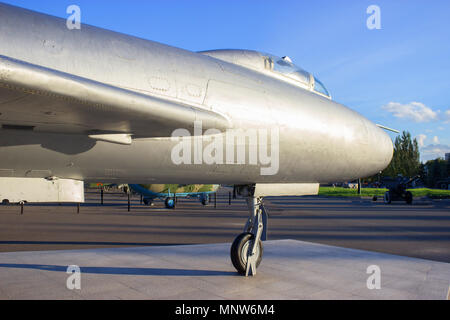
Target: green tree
column 448, row 168
column 435, row 170
column 406, row 159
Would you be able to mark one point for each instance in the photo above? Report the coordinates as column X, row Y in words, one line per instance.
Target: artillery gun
column 398, row 190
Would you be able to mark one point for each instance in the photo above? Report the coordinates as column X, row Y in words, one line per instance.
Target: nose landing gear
column 247, row 249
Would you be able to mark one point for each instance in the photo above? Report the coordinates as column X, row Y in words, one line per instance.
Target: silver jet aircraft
column 89, row 104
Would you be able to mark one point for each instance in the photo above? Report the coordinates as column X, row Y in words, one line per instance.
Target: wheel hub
column 244, row 251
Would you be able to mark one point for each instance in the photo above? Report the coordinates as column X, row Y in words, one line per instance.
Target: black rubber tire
column 236, row 252
column 205, row 201
column 167, row 203
column 387, row 197
column 408, row 197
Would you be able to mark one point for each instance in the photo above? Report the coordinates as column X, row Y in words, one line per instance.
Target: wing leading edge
column 45, row 100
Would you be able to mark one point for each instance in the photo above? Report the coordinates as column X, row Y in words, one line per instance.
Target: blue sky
column 398, row 76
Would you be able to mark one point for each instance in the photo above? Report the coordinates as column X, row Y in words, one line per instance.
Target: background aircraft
column 169, row 192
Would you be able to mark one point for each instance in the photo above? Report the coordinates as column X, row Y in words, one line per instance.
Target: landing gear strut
column 247, row 249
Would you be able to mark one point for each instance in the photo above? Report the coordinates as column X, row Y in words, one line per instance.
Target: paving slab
column 291, row 270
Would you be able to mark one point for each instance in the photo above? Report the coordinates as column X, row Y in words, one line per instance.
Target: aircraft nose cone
column 387, row 147
column 383, row 148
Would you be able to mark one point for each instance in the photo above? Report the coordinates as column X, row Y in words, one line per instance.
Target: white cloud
column 415, row 111
column 447, row 116
column 421, row 139
column 435, row 140
column 434, row 151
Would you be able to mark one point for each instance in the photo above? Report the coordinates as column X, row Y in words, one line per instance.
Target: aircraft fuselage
column 319, row 140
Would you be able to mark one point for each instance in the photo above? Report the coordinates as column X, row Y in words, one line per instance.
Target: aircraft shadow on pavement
column 93, row 243
column 125, row 271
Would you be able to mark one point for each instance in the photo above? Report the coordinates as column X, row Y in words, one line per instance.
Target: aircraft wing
column 44, row 100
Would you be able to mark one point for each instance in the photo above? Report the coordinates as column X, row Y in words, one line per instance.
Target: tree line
column 406, row 162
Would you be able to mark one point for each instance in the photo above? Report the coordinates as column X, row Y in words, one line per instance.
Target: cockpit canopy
column 281, row 68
